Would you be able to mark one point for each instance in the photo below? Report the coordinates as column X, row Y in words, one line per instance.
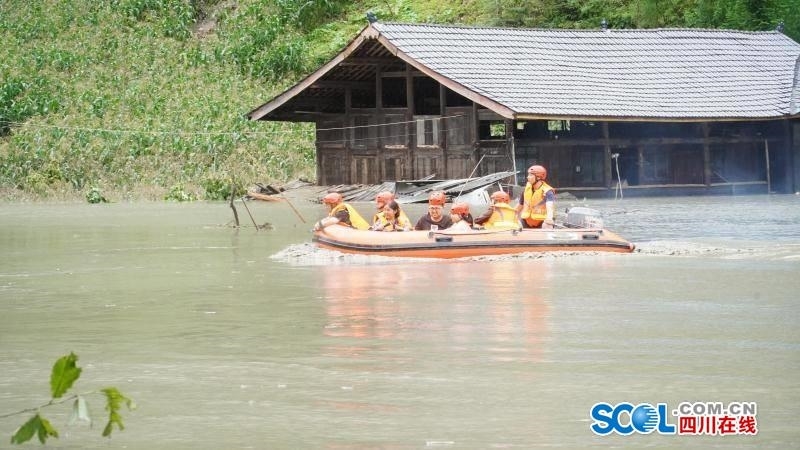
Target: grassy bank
column 145, row 99
column 132, row 103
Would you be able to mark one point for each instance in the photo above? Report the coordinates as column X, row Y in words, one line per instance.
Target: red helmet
column 501, row 197
column 334, row 198
column 437, row 198
column 460, row 208
column 383, row 198
column 539, row 171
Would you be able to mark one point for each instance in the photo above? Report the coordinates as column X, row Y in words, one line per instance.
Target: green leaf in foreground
column 65, row 372
column 115, row 400
column 36, row 425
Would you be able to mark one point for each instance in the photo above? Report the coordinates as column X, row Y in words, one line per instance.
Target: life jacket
column 534, row 210
column 381, row 223
column 503, row 216
column 356, row 221
column 402, row 219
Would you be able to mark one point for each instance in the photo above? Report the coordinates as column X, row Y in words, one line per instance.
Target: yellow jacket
column 503, row 216
column 356, row 220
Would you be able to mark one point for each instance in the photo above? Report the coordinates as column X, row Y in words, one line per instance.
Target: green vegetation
column 64, row 374
column 147, row 98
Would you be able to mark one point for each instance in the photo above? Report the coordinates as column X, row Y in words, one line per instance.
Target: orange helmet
column 383, row 198
column 501, row 197
column 334, row 198
column 539, row 171
column 437, row 198
column 460, row 208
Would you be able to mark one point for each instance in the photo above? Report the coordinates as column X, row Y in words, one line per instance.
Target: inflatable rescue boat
column 583, row 236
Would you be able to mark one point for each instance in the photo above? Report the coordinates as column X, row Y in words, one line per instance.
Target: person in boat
column 460, row 216
column 340, row 213
column 538, row 201
column 383, row 199
column 435, row 215
column 500, row 214
column 391, row 219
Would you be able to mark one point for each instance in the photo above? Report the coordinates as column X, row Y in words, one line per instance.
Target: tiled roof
column 659, row 73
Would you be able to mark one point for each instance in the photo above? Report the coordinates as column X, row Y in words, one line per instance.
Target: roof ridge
column 585, row 30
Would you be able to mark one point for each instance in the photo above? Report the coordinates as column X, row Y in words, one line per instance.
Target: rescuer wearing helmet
column 537, row 203
column 500, row 214
column 435, row 216
column 340, row 213
column 381, row 200
column 460, row 216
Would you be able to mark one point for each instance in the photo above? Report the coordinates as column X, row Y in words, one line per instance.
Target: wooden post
column 475, row 134
column 607, row 174
column 443, row 125
column 235, row 213
column 348, row 131
column 510, row 145
column 379, row 108
column 411, row 127
column 706, row 155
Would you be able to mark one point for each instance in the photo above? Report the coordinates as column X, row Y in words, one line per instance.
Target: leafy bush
column 179, row 194
column 219, row 188
column 95, row 195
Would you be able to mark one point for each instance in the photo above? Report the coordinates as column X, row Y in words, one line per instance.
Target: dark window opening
column 454, row 99
column 426, row 96
column 646, row 130
column 394, row 93
column 363, row 98
column 589, row 167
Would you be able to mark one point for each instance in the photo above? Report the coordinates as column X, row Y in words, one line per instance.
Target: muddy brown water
column 231, row 338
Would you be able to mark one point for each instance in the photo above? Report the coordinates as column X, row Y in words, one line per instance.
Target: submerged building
column 661, row 111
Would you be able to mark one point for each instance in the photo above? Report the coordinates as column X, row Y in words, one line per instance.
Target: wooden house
column 678, row 111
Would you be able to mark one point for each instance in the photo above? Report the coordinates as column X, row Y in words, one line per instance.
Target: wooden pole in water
column 249, row 213
column 235, row 213
column 293, row 208
column 766, row 156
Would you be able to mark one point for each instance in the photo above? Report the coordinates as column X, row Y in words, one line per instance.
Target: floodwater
column 231, row 338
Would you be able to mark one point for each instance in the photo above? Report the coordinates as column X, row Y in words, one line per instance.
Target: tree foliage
column 64, row 374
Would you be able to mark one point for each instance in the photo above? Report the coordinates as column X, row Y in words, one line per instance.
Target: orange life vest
column 534, row 210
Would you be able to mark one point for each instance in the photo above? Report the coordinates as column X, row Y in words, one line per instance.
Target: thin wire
column 215, row 133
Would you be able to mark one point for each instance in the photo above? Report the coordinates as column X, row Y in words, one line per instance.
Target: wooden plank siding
column 403, row 137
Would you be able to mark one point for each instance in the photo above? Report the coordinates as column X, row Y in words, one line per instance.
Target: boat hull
column 450, row 244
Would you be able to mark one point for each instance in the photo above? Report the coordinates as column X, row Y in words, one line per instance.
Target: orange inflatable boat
column 455, row 244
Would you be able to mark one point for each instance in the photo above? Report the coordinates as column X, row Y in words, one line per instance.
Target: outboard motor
column 582, row 217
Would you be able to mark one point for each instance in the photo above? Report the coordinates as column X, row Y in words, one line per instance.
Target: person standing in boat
column 383, row 199
column 391, row 219
column 538, row 201
column 461, row 218
column 500, row 214
column 340, row 213
column 435, row 216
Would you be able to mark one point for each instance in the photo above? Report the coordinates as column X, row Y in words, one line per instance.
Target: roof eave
column 366, row 34
column 590, row 118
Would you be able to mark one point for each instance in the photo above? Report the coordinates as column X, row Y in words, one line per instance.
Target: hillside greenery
column 146, row 99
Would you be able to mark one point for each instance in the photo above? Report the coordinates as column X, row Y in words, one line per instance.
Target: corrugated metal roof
column 660, row 73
